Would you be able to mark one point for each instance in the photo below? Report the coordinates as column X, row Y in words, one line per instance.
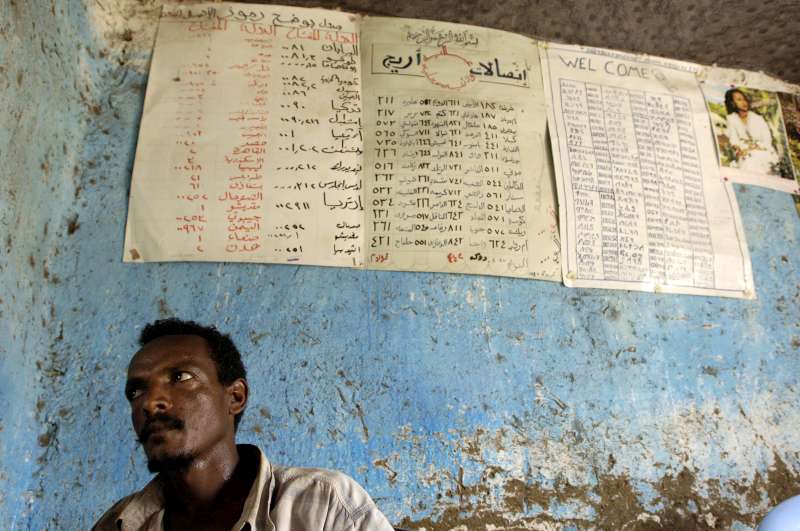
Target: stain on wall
column 460, row 402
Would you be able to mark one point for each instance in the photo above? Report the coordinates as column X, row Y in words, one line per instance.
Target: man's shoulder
column 323, row 483
column 302, row 478
column 136, row 508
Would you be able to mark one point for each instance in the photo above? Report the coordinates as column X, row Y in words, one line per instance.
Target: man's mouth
column 158, row 427
column 157, row 430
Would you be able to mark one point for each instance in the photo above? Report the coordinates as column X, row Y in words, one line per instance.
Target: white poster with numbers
column 278, row 134
column 641, row 203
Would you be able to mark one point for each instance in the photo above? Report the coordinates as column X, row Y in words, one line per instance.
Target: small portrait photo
column 751, row 137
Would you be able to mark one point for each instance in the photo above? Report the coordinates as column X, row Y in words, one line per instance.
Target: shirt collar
column 146, row 508
column 262, row 485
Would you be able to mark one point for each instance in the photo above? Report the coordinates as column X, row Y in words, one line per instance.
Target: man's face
column 179, row 408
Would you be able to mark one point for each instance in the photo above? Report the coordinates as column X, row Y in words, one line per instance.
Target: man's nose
column 157, row 400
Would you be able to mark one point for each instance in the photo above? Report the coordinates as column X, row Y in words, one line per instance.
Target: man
column 187, row 389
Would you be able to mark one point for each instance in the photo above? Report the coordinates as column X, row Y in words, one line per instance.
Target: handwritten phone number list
column 636, row 187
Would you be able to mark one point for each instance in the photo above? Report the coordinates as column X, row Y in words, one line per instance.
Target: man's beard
column 169, row 463
column 172, row 463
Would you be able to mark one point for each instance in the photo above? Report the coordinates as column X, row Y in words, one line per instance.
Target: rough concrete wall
column 41, row 130
column 460, row 402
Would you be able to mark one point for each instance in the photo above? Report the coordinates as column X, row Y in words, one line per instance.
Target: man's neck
column 210, row 492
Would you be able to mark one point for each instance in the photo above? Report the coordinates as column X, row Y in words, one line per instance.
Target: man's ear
column 237, row 396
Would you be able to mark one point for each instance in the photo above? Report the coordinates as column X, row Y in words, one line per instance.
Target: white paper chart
column 640, row 200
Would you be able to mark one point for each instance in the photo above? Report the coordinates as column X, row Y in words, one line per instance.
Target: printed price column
column 317, row 189
column 447, row 190
column 385, row 154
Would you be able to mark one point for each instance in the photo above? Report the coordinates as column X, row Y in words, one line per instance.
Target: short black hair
column 223, row 352
column 730, row 106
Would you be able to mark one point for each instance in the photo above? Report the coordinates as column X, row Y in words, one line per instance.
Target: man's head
column 187, row 389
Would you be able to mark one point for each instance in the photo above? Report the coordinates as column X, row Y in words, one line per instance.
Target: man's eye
column 133, row 394
column 182, row 376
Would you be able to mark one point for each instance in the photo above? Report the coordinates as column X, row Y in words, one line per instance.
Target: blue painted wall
column 456, row 400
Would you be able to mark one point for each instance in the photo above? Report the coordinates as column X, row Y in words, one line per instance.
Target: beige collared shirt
column 281, row 499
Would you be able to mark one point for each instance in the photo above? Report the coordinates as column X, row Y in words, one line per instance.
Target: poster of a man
column 751, row 137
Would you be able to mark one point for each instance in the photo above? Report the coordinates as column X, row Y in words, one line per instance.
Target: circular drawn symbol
column 447, row 70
